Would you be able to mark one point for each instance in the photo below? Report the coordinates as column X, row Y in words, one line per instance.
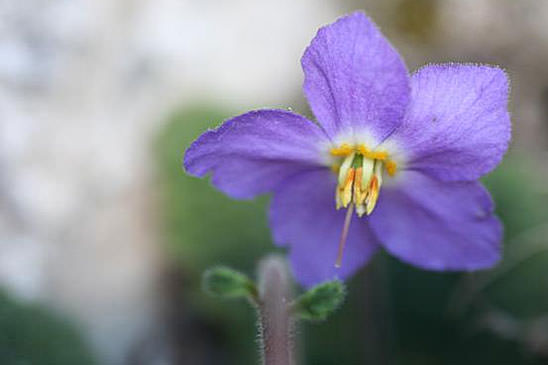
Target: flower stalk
column 278, row 312
column 276, row 322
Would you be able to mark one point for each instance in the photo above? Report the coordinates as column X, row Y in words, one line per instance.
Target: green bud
column 228, row 283
column 319, row 302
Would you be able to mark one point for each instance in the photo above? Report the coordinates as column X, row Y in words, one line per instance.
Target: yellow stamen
column 390, row 167
column 342, row 151
column 372, row 196
column 346, row 188
column 359, row 183
column 373, row 155
column 338, row 199
column 373, row 190
column 359, row 195
column 368, row 170
column 345, row 150
column 345, row 166
column 360, row 210
column 360, row 178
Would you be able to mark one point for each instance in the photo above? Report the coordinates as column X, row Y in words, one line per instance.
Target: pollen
column 373, row 155
column 342, row 151
column 390, row 167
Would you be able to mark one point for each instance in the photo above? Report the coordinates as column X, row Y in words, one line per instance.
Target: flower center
column 359, row 183
column 360, row 177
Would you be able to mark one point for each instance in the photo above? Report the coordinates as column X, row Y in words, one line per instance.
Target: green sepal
column 225, row 282
column 319, row 302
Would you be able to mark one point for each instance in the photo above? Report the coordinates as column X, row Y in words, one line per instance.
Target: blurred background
column 103, row 238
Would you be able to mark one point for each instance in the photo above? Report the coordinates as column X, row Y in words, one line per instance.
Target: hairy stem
column 276, row 323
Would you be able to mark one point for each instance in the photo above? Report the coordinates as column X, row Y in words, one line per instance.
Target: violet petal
column 458, row 125
column 250, row 154
column 354, row 78
column 303, row 215
column 438, row 225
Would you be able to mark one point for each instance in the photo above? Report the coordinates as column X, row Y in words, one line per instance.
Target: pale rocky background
column 86, row 85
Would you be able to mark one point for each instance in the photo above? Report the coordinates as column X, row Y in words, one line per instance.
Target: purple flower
column 401, row 153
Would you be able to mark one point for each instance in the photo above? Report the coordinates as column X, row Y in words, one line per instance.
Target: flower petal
column 251, row 153
column 438, row 225
column 303, row 215
column 457, row 126
column 354, row 79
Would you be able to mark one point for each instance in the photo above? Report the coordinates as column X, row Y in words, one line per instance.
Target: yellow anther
column 346, row 149
column 378, row 155
column 374, row 189
column 359, row 194
column 373, row 155
column 372, row 196
column 360, row 210
column 346, row 189
column 363, row 175
column 345, row 166
column 343, row 150
column 390, row 167
column 367, row 171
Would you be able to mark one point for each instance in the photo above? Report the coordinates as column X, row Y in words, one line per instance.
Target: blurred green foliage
column 517, row 190
column 31, row 335
column 393, row 313
column 204, row 228
column 520, row 285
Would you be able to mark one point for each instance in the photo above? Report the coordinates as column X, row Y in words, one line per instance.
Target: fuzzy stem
column 276, row 323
